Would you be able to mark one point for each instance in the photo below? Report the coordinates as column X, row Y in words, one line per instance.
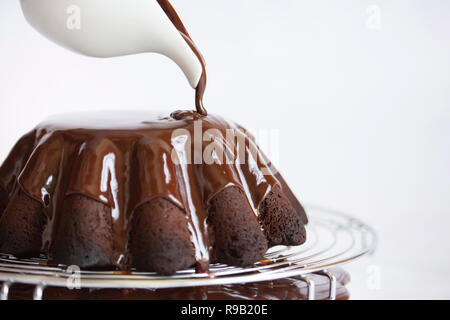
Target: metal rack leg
column 38, row 292
column 4, row 292
column 311, row 287
column 333, row 281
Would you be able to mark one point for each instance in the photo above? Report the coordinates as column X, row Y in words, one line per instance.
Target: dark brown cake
column 3, row 200
column 127, row 190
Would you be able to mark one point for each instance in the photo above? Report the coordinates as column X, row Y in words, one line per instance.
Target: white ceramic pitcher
column 109, row 28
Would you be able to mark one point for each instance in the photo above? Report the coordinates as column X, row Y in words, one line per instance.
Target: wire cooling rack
column 333, row 238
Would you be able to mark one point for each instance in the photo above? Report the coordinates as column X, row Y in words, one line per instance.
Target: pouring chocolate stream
column 201, row 86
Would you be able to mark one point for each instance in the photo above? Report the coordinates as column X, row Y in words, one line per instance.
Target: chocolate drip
column 201, row 86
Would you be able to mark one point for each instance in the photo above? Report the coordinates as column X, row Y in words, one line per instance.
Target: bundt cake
column 133, row 190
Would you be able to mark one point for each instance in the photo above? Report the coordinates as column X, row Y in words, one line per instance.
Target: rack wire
column 333, row 239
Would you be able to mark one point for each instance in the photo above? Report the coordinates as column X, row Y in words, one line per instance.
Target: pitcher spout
column 111, row 28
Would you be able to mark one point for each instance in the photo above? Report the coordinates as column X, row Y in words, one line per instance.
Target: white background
column 363, row 112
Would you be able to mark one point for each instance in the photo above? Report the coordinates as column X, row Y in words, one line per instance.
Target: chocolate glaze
column 201, row 87
column 292, row 288
column 125, row 160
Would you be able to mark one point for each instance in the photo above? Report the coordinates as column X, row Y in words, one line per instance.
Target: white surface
column 110, row 28
column 364, row 109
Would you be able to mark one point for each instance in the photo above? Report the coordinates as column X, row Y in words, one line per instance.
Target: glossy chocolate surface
column 126, row 159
